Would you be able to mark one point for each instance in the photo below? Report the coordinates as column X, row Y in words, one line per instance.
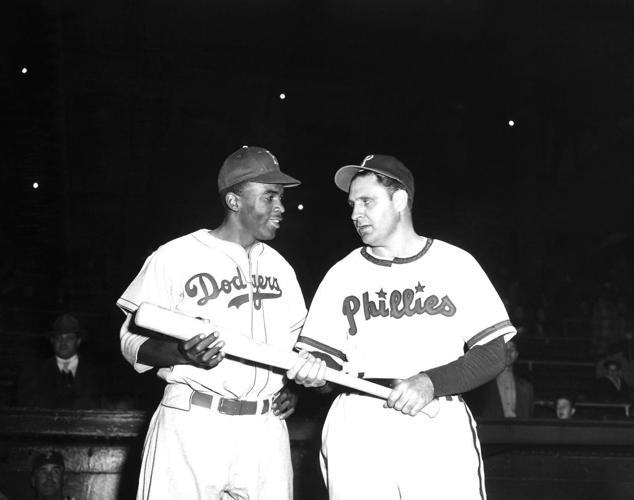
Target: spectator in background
column 65, row 380
column 611, row 387
column 506, row 396
column 621, row 352
column 608, row 319
column 564, row 407
column 47, row 476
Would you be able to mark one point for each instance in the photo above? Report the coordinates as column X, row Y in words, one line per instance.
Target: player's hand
column 203, row 350
column 411, row 395
column 308, row 370
column 284, row 403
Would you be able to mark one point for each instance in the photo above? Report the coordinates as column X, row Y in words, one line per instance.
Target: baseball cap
column 66, row 323
column 49, row 457
column 380, row 164
column 255, row 164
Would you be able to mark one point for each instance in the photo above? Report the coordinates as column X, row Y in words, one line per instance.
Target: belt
column 392, row 383
column 228, row 406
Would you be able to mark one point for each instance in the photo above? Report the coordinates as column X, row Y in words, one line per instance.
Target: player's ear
column 232, row 201
column 400, row 199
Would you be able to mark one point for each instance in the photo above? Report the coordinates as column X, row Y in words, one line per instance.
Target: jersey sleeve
column 325, row 331
column 483, row 315
column 150, row 285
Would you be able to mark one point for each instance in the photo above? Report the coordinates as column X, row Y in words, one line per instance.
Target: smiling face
column 374, row 212
column 260, row 210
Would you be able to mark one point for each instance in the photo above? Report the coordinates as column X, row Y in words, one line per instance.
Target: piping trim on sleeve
column 488, row 331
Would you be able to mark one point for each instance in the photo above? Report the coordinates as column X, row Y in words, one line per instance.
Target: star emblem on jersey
column 381, row 293
column 420, row 288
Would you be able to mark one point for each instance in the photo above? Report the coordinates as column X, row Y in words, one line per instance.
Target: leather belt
column 228, row 406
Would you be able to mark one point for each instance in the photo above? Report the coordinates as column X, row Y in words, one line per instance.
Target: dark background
column 128, row 108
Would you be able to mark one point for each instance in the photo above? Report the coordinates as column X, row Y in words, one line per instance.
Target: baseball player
column 400, row 311
column 219, row 430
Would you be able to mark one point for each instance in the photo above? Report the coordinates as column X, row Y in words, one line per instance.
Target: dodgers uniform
column 192, row 451
column 392, row 319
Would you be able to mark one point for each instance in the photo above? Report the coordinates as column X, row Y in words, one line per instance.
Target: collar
column 365, row 252
column 69, row 364
column 206, row 237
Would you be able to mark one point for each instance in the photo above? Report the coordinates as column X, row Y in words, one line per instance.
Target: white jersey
column 395, row 318
column 256, row 294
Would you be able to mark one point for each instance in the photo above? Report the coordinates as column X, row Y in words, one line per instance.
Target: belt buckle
column 230, row 406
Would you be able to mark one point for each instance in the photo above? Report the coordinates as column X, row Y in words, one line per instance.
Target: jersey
column 255, row 293
column 392, row 319
column 395, row 318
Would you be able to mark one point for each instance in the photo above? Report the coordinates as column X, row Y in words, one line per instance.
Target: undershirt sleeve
column 479, row 364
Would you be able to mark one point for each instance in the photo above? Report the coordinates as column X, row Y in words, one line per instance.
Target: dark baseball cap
column 50, row 457
column 380, row 164
column 254, row 164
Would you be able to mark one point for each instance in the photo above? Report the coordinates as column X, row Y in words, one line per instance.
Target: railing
column 540, row 459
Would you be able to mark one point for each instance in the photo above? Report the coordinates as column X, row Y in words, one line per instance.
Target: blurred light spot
column 282, row 96
column 24, row 71
column 511, row 123
column 36, row 185
column 300, row 207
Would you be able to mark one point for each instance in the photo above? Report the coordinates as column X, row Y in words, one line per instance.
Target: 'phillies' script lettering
column 208, row 288
column 398, row 305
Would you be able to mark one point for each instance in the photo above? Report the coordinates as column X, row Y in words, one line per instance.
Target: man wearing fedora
column 65, row 380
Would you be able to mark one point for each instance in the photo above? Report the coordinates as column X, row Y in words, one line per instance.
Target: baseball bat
column 184, row 327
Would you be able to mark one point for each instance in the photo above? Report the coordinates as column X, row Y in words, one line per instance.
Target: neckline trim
column 396, row 260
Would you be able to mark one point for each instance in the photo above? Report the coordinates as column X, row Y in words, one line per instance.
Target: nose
column 279, row 207
column 356, row 211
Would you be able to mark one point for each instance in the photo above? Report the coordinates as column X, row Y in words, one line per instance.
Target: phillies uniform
column 393, row 319
column 193, row 451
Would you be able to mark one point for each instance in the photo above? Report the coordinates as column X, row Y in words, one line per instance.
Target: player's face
column 373, row 211
column 261, row 210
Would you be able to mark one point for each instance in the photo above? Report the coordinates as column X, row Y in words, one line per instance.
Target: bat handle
column 431, row 409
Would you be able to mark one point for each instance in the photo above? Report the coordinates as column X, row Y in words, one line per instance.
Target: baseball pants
column 198, row 453
column 372, row 452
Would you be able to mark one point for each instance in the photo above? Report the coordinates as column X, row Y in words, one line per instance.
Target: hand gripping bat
column 184, row 327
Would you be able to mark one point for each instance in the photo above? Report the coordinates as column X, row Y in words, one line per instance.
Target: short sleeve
column 483, row 316
column 325, row 331
column 152, row 284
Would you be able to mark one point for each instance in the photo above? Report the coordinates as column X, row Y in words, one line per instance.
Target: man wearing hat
column 219, row 431
column 401, row 311
column 47, row 476
column 67, row 379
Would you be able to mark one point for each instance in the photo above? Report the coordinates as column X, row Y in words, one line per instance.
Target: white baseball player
column 400, row 311
column 219, row 430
